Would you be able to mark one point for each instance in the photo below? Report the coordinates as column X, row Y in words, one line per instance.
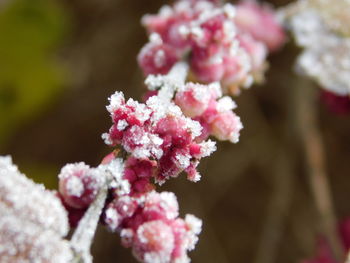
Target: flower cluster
column 146, row 220
column 205, row 104
column 321, row 28
column 157, row 130
column 168, row 133
column 149, row 224
column 221, row 42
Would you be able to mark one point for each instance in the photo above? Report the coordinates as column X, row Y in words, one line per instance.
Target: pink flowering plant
column 222, row 47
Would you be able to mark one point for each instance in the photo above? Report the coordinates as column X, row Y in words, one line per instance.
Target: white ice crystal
column 115, row 171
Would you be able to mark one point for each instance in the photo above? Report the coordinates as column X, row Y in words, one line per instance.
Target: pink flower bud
column 79, row 184
column 156, row 58
column 261, row 23
column 226, row 126
column 149, row 223
column 154, row 242
column 193, row 100
column 208, row 63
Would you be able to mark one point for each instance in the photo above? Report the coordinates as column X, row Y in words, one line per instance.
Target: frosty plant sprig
column 223, row 47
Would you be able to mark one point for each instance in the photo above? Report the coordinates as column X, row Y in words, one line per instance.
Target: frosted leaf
column 30, row 201
column 32, row 220
column 24, row 242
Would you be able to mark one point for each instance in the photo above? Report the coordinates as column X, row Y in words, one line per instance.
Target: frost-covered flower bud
column 118, row 210
column 149, row 224
column 260, row 22
column 207, row 63
column 154, row 242
column 193, row 99
column 79, row 184
column 156, row 58
column 226, row 126
column 29, row 200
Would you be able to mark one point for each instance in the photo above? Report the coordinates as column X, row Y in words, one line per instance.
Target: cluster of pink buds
column 168, row 133
column 224, row 43
column 160, row 138
column 159, row 131
column 146, row 220
column 205, row 104
column 149, row 224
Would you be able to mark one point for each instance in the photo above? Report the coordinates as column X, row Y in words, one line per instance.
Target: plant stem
column 82, row 238
column 179, row 72
column 315, row 158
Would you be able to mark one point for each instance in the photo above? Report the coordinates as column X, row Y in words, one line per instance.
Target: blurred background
column 61, row 59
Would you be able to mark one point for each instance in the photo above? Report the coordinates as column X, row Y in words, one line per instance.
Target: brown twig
column 311, row 138
column 277, row 209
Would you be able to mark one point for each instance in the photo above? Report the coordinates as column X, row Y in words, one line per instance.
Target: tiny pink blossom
column 223, row 43
column 156, row 134
column 205, row 104
column 226, row 126
column 154, row 242
column 79, row 184
column 261, row 23
column 193, row 101
column 149, row 224
column 156, row 58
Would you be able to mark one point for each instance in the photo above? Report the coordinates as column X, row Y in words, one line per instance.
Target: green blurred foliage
column 41, row 173
column 30, row 76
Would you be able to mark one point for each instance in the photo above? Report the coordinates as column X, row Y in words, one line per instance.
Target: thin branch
column 84, row 234
column 311, row 138
column 277, row 210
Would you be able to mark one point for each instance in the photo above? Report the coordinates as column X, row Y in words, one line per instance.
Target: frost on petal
column 149, row 224
column 226, row 126
column 30, row 201
column 79, row 184
column 212, row 34
column 154, row 242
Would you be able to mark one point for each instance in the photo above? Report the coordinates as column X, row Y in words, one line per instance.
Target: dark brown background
column 252, row 194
